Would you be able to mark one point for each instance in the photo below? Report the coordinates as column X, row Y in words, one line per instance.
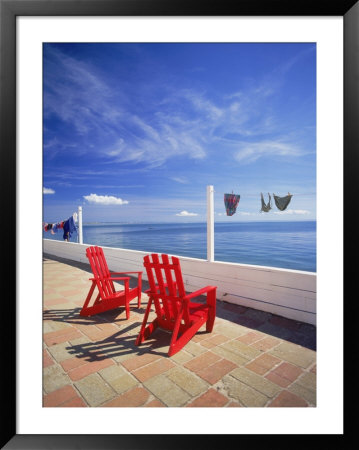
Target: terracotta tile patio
column 251, row 358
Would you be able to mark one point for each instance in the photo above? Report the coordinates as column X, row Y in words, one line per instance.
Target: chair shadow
column 73, row 317
column 120, row 344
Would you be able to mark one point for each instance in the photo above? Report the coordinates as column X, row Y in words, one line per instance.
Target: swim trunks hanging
column 282, row 202
column 265, row 207
column 231, row 202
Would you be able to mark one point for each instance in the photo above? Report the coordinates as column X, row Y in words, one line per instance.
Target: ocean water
column 288, row 245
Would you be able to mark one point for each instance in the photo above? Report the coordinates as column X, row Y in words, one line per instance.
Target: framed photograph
column 25, row 27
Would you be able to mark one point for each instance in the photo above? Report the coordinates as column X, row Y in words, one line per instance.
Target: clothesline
column 67, row 225
column 264, row 192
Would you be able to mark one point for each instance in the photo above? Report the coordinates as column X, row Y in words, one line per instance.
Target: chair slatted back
column 166, row 285
column 100, row 271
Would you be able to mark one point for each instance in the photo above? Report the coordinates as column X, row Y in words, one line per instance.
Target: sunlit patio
column 251, row 359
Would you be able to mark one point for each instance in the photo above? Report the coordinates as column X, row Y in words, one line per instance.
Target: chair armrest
column 116, row 278
column 199, row 292
column 120, row 278
column 119, row 273
column 126, row 282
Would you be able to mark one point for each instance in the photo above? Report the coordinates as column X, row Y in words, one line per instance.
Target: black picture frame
column 9, row 10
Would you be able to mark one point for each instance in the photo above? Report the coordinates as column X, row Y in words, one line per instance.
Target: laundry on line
column 231, row 202
column 53, row 227
column 67, row 225
column 266, row 207
column 69, row 228
column 282, row 202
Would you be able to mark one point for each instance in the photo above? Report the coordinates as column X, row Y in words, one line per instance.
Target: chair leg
column 88, row 298
column 148, row 330
column 211, row 310
column 175, row 332
column 139, row 290
column 139, row 297
column 177, row 345
column 145, row 332
column 127, row 307
column 97, row 300
column 210, row 321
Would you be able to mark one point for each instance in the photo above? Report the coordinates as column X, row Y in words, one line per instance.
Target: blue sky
column 135, row 132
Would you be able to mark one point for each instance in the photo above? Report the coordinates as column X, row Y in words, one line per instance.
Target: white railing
column 287, row 293
column 210, row 224
column 80, row 233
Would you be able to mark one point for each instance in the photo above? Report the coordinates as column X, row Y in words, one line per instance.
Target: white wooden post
column 210, row 224
column 80, row 225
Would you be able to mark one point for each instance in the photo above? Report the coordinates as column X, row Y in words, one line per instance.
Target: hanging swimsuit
column 231, row 202
column 282, row 202
column 265, row 207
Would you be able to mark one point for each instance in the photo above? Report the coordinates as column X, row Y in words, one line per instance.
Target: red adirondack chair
column 174, row 309
column 108, row 298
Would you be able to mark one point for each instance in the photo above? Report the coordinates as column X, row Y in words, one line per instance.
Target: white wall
column 288, row 293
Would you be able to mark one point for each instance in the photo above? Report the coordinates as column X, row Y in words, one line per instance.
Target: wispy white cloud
column 250, row 152
column 203, row 105
column 79, row 97
column 48, row 191
column 105, row 199
column 181, row 180
column 155, row 153
column 293, row 211
column 83, row 99
column 175, row 123
column 186, row 214
column 285, row 67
